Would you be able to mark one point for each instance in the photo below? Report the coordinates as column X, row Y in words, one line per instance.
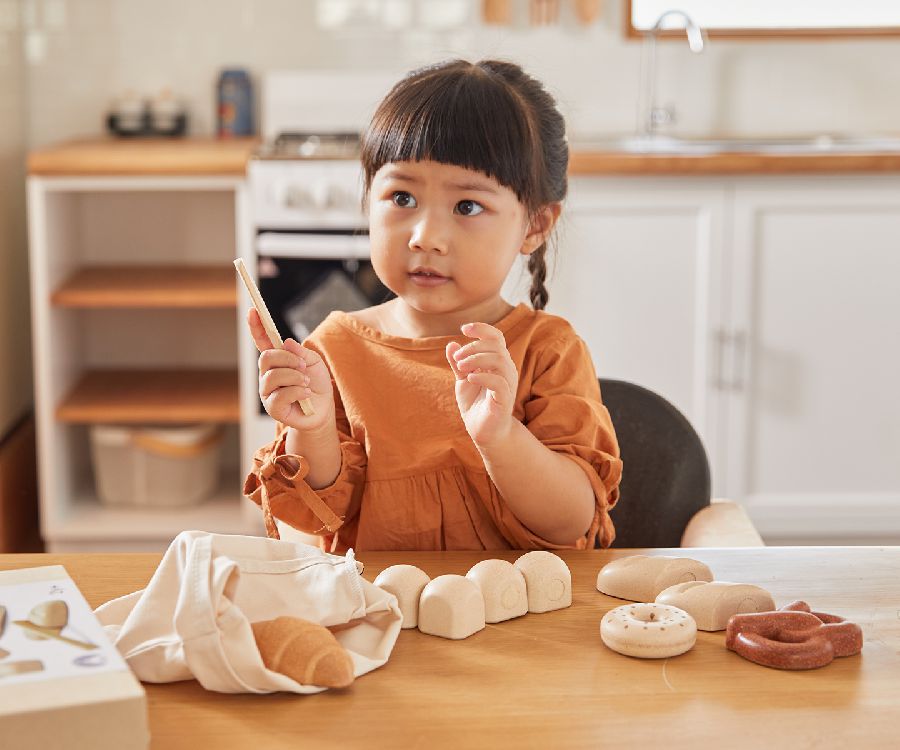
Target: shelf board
column 153, row 396
column 91, row 520
column 161, row 286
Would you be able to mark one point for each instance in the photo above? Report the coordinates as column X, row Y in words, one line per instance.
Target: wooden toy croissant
column 304, row 651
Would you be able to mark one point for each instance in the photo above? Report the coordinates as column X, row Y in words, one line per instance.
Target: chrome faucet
column 650, row 116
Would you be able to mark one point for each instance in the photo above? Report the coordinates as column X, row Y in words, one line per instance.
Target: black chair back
column 665, row 477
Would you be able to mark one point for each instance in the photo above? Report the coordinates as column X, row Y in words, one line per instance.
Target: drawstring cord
column 330, row 520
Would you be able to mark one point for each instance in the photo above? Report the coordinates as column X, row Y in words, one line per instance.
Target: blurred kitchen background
column 758, row 291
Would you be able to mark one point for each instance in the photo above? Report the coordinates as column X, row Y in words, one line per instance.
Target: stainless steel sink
column 820, row 144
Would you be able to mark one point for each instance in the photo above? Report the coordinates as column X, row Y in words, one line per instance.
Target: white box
column 82, row 697
column 155, row 467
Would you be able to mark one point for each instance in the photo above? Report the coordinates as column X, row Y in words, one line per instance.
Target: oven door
column 303, row 276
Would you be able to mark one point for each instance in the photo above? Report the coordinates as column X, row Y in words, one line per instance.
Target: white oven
column 308, row 233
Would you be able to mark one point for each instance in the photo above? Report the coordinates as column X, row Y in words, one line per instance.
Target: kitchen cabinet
column 135, row 321
column 767, row 310
column 814, row 425
column 638, row 274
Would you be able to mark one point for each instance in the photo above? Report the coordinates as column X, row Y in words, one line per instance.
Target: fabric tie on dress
column 278, row 468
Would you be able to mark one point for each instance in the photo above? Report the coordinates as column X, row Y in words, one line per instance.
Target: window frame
column 765, row 34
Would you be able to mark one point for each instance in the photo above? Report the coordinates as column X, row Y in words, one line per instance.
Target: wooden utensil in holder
column 587, row 11
column 498, row 12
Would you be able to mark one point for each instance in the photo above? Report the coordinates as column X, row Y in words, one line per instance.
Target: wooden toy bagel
column 649, row 631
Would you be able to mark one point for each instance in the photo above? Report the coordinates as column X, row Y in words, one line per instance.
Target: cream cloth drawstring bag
column 193, row 619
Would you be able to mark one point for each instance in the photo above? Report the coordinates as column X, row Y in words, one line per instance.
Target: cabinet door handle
column 740, row 353
column 720, row 341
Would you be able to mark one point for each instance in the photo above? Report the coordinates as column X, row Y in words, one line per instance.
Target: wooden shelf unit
column 162, row 286
column 157, row 396
column 116, row 264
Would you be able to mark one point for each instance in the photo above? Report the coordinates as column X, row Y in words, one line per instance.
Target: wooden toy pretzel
column 792, row 637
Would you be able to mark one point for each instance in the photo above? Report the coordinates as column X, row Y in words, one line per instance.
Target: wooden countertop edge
column 598, row 163
column 153, row 157
column 213, row 157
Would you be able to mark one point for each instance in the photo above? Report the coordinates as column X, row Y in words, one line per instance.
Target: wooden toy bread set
column 454, row 606
column 675, row 597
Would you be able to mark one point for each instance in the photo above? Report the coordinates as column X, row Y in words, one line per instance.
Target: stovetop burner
column 298, row 145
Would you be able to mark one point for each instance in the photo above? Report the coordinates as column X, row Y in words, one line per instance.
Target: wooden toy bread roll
column 640, row 578
column 548, row 579
column 451, row 607
column 304, row 651
column 406, row 583
column 503, row 588
column 712, row 603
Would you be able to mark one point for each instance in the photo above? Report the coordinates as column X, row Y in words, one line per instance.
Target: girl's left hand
column 486, row 382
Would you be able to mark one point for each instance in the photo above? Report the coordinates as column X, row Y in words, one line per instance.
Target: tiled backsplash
column 84, row 53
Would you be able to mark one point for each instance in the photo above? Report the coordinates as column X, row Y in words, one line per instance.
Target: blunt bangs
column 459, row 115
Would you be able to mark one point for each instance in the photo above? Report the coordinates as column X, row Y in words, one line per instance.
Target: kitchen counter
column 210, row 156
column 146, row 156
column 589, row 162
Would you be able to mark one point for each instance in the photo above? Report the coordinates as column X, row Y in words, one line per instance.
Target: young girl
column 446, row 418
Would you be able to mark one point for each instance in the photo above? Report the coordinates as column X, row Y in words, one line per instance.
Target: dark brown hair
column 488, row 116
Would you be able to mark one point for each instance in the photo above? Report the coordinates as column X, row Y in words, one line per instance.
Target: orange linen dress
column 411, row 477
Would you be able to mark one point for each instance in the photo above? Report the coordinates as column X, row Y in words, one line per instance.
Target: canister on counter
column 235, row 103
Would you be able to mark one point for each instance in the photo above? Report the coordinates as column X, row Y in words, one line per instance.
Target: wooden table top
column 547, row 680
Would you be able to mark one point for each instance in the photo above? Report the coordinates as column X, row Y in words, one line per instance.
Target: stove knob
column 342, row 199
column 296, row 196
column 319, row 193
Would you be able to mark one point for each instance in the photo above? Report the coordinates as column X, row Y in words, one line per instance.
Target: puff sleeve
column 281, row 477
column 565, row 413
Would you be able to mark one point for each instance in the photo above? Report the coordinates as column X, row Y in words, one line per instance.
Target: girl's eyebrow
column 473, row 184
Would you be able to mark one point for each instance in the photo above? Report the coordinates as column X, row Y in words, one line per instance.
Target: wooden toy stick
column 268, row 323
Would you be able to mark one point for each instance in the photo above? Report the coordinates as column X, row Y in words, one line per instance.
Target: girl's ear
column 540, row 226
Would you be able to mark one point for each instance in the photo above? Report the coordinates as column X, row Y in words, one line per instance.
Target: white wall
column 15, row 349
column 82, row 53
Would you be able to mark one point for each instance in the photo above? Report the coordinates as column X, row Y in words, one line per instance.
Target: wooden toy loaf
column 451, row 606
column 548, row 580
column 406, row 582
column 503, row 588
column 712, row 603
column 641, row 578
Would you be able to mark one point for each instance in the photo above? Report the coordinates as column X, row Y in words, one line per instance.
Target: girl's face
column 444, row 237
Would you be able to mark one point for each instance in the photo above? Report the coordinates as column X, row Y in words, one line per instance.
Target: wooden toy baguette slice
column 304, row 651
column 268, row 323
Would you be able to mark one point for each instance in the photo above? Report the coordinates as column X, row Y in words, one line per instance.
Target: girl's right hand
column 289, row 375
